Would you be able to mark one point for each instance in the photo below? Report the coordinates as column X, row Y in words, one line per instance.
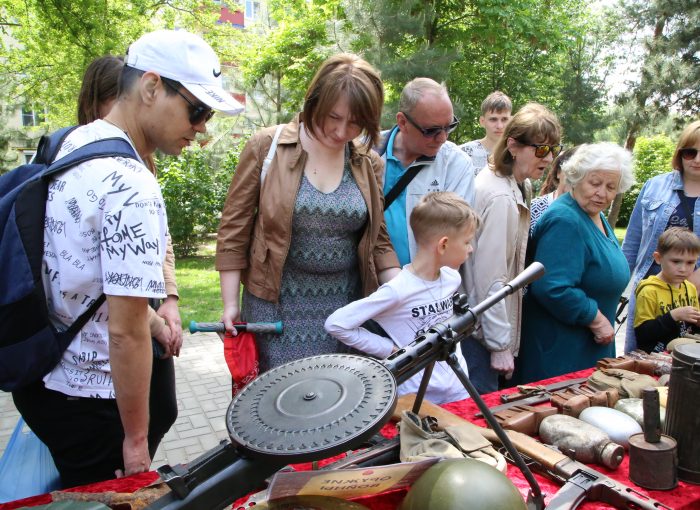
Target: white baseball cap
column 187, row 59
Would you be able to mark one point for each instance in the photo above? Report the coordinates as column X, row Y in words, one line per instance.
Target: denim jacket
column 655, row 204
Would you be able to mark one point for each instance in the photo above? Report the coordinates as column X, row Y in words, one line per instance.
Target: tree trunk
column 617, row 203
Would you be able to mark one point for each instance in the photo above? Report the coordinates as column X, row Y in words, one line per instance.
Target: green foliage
column 478, row 46
column 652, row 156
column 668, row 34
column 278, row 59
column 47, row 44
column 194, row 187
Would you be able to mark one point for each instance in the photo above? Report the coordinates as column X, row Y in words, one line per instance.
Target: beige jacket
column 499, row 255
column 256, row 226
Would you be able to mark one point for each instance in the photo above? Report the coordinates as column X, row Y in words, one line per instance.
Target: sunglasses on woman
column 541, row 150
column 198, row 112
column 432, row 132
column 688, row 153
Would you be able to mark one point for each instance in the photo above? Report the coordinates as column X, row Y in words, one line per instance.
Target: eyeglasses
column 541, row 150
column 198, row 113
column 432, row 132
column 688, row 153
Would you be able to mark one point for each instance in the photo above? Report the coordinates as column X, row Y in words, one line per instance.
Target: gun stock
column 581, row 482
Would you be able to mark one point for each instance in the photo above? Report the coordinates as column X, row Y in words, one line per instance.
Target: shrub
column 652, row 156
column 194, row 187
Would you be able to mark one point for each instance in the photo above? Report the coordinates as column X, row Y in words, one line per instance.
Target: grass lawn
column 198, row 285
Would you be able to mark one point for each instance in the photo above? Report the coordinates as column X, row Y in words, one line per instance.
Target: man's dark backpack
column 30, row 347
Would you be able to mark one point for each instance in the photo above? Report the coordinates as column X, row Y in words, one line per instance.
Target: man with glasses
column 419, row 159
column 105, row 229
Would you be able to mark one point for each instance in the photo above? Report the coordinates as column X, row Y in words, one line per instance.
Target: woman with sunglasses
column 310, row 237
column 569, row 312
column 529, row 144
column 666, row 200
column 553, row 187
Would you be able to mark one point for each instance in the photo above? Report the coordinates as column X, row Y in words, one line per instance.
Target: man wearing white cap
column 105, row 229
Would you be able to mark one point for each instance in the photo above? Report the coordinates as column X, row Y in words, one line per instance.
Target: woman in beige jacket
column 503, row 193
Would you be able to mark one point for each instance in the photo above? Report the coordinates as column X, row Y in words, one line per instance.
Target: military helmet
column 463, row 484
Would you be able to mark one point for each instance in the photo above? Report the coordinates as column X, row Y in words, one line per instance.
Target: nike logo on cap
column 216, row 75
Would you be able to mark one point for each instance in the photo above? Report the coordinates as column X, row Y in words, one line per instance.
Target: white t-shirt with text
column 404, row 307
column 104, row 232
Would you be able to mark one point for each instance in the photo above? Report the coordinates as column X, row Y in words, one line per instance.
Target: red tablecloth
column 684, row 497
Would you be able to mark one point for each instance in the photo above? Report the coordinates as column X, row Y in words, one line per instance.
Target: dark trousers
column 478, row 358
column 85, row 435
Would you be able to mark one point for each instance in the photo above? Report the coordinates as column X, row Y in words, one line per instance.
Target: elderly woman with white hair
column 568, row 314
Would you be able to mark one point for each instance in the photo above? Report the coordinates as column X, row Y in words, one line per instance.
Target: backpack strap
column 270, row 153
column 49, row 145
column 104, row 148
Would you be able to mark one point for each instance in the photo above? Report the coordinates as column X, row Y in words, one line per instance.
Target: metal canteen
column 633, row 407
column 616, row 424
column 588, row 443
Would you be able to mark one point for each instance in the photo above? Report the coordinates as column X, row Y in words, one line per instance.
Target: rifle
column 580, row 482
column 225, row 473
column 539, row 396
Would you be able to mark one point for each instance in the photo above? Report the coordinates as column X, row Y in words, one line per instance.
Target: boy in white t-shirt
column 420, row 295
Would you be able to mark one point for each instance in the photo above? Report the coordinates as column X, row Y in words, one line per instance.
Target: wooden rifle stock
column 581, row 482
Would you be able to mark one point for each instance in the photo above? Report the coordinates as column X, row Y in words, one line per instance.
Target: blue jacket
column 655, row 204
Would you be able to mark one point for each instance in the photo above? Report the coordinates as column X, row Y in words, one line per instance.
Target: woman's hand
column 503, row 363
column 603, row 332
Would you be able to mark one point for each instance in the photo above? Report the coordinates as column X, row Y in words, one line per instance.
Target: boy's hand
column 686, row 314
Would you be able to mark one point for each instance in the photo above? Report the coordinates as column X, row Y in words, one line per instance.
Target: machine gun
column 317, row 407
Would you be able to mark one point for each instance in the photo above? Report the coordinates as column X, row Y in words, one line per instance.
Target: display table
column 684, row 497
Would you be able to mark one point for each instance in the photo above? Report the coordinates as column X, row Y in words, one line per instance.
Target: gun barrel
column 426, row 349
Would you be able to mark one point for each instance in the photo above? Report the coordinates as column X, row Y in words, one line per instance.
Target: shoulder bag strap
column 405, row 179
column 270, row 154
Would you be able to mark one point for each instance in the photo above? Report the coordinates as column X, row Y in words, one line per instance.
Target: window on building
column 32, row 116
column 252, row 9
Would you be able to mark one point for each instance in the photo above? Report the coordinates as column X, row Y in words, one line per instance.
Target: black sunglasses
column 432, row 132
column 198, row 113
column 689, row 153
column 542, row 149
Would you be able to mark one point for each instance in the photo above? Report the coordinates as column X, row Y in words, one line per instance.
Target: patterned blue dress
column 320, row 273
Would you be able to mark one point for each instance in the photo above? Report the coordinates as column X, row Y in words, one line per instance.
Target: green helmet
column 463, row 484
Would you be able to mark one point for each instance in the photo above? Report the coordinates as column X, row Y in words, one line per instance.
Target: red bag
column 241, row 354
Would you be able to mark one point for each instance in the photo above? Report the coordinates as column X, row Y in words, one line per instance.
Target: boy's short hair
column 496, row 101
column 441, row 213
column 678, row 239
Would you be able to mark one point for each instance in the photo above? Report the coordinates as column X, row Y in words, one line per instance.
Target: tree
column 278, row 58
column 475, row 47
column 47, row 44
column 669, row 65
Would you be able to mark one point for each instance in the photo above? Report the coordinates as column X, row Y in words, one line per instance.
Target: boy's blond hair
column 497, row 102
column 441, row 213
column 678, row 239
